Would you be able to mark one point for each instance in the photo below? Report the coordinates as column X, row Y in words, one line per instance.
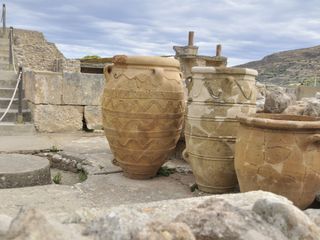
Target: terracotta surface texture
column 216, row 97
column 143, row 107
column 279, row 154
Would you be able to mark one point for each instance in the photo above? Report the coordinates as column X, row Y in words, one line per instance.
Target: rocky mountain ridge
column 289, row 67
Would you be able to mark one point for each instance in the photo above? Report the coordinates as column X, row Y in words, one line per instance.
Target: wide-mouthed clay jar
column 217, row 95
column 279, row 154
column 143, row 109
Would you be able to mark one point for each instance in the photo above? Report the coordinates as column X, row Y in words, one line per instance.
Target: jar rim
column 145, row 60
column 225, row 70
column 281, row 121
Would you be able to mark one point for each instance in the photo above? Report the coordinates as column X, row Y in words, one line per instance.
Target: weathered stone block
column 43, row 87
column 277, row 101
column 82, row 88
column 93, row 117
column 55, row 118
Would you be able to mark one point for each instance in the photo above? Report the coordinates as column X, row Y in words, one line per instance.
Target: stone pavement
column 105, row 186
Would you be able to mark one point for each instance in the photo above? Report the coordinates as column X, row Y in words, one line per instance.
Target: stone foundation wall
column 62, row 102
column 71, row 65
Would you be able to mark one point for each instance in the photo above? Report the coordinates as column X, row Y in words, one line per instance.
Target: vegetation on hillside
column 91, row 57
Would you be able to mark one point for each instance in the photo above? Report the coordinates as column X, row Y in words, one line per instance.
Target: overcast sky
column 247, row 29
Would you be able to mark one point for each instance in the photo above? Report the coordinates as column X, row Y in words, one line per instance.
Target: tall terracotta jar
column 216, row 97
column 280, row 154
column 143, row 107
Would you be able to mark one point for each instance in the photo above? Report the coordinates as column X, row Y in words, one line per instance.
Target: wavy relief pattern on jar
column 217, row 97
column 280, row 156
column 143, row 111
column 129, row 79
column 114, row 121
column 231, row 90
column 144, row 105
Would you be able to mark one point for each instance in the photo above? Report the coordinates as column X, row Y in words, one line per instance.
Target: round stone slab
column 19, row 170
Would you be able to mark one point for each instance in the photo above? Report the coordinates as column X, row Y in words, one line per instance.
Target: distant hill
column 289, row 67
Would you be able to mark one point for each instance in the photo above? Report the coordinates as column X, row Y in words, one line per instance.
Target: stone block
column 43, row 87
column 93, row 117
column 57, row 118
column 71, row 65
column 82, row 88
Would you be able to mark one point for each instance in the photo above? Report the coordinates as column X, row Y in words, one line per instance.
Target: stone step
column 4, row 40
column 7, row 84
column 11, row 116
column 4, row 102
column 4, row 45
column 13, row 129
column 7, row 92
column 6, row 67
column 4, row 49
column 8, row 75
column 4, row 52
column 4, row 61
column 4, row 56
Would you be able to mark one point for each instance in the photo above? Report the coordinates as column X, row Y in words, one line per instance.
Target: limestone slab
column 93, row 117
column 57, row 118
column 43, row 87
column 82, row 88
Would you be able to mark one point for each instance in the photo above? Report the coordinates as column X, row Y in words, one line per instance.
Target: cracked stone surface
column 105, row 187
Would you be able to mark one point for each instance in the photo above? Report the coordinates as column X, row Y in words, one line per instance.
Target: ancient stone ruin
column 132, row 147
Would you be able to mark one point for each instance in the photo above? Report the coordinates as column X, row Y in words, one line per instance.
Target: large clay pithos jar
column 279, row 154
column 143, row 107
column 217, row 95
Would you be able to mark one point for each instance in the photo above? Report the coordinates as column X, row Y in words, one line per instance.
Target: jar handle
column 188, row 81
column 159, row 76
column 107, row 72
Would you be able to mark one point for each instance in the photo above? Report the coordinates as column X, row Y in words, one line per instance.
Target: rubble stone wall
column 60, row 102
column 33, row 51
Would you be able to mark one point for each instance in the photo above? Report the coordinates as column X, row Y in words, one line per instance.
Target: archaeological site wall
column 65, row 101
column 59, row 96
column 306, row 91
column 33, row 51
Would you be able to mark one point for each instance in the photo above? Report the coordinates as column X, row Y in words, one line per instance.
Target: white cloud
column 247, row 29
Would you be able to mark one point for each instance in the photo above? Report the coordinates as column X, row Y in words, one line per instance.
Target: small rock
column 290, row 220
column 74, row 163
column 160, row 231
column 57, row 156
column 217, row 219
column 4, row 224
column 314, row 215
column 260, row 105
column 32, row 224
column 66, row 161
column 317, row 96
column 312, row 108
column 79, row 166
column 277, row 101
column 297, row 109
column 120, row 225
